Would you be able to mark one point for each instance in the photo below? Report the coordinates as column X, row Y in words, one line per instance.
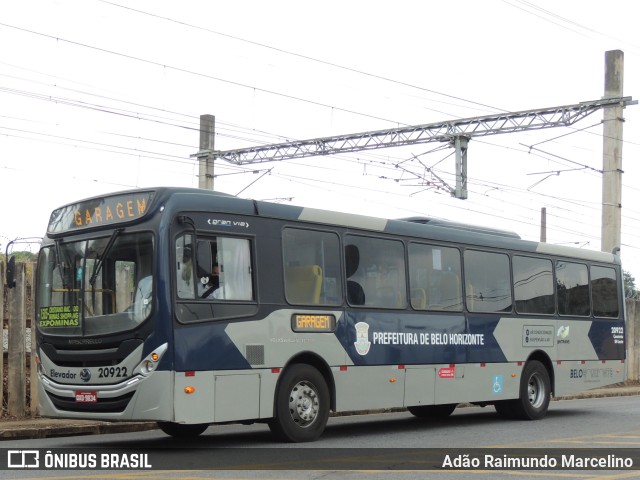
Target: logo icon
column 85, row 375
column 23, row 459
column 563, row 332
column 362, row 342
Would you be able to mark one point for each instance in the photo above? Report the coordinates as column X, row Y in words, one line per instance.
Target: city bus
column 192, row 308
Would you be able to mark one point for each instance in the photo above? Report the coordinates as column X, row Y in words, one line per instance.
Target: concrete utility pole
column 543, row 225
column 612, row 153
column 461, row 145
column 205, row 154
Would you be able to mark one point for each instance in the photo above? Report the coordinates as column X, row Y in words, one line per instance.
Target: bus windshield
column 95, row 287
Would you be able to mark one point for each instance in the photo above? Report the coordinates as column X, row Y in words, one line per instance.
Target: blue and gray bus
column 191, row 308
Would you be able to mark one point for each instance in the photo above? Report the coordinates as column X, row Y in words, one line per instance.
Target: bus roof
column 193, row 199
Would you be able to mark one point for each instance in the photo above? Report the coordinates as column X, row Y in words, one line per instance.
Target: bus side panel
column 482, row 382
column 419, row 387
column 518, row 338
column 196, row 407
column 607, row 337
column 373, row 387
column 153, row 399
column 578, row 376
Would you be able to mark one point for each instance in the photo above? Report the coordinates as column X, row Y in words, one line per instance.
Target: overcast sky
column 98, row 96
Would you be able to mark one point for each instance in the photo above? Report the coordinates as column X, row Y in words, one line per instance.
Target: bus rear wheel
column 301, row 405
column 433, row 411
column 181, row 430
column 535, row 394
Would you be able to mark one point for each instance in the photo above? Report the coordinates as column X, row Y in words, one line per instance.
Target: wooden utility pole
column 612, row 153
column 205, row 154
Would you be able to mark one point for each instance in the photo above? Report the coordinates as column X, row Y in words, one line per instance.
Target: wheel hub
column 304, row 403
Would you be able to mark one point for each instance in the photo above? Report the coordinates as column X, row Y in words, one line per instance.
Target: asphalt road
column 367, row 447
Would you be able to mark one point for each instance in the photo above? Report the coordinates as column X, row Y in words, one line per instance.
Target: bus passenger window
column 604, row 292
column 533, row 285
column 311, row 267
column 355, row 292
column 487, row 281
column 434, row 278
column 380, row 271
column 572, row 285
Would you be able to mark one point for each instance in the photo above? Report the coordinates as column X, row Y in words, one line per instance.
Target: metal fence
column 19, row 395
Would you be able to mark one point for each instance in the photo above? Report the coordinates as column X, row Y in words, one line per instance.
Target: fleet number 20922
column 110, row 372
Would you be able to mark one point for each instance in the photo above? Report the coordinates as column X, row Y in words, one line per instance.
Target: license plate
column 86, row 397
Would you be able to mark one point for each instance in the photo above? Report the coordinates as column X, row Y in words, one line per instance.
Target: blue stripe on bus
column 607, row 338
column 206, row 347
column 396, row 338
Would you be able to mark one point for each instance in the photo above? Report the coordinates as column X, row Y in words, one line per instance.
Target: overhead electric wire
column 566, row 20
column 199, row 74
column 305, row 57
column 137, row 152
column 387, row 120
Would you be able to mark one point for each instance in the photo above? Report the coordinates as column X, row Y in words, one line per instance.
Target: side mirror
column 11, row 272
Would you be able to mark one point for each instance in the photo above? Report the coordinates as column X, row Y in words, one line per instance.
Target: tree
column 21, row 256
column 630, row 290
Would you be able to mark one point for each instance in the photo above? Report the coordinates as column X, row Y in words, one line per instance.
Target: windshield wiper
column 98, row 265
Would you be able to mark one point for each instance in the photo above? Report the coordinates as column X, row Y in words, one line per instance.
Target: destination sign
column 313, row 323
column 101, row 211
column 60, row 316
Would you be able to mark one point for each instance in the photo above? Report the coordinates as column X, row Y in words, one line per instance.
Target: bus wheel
column 302, row 405
column 433, row 411
column 182, row 430
column 535, row 392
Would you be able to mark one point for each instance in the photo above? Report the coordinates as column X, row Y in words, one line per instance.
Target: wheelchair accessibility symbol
column 497, row 384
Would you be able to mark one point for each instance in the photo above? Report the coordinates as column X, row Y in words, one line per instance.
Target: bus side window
column 572, row 285
column 378, row 266
column 533, row 285
column 355, row 292
column 434, row 276
column 604, row 292
column 311, row 267
column 487, row 281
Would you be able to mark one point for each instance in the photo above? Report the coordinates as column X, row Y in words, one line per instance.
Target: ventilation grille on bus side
column 254, row 354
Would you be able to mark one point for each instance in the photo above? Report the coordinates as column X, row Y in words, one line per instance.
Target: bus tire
column 535, row 392
column 433, row 411
column 182, row 430
column 301, row 405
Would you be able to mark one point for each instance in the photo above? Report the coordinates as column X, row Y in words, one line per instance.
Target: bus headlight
column 148, row 366
column 151, row 361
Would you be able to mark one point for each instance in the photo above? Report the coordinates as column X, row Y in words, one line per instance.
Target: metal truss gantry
column 456, row 132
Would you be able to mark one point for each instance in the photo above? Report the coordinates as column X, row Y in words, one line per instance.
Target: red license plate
column 86, row 397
